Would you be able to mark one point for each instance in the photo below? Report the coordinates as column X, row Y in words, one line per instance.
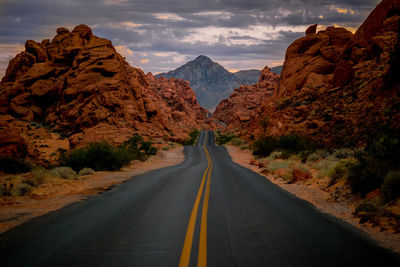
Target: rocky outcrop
column 12, row 144
column 78, row 85
column 23, row 139
column 242, row 104
column 180, row 99
column 337, row 87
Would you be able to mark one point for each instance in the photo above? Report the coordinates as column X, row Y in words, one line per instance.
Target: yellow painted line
column 202, row 257
column 187, row 245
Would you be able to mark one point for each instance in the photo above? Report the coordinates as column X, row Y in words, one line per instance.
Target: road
column 205, row 211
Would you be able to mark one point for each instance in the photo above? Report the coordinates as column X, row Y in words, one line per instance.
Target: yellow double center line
column 187, row 245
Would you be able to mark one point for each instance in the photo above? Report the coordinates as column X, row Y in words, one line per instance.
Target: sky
column 161, row 35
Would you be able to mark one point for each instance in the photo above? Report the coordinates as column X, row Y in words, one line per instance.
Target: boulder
column 12, row 144
column 300, row 174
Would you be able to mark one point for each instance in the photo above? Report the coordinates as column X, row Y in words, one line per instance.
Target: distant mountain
column 247, row 77
column 210, row 81
column 277, row 69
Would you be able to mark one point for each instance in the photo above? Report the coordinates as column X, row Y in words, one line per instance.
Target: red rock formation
column 12, row 144
column 80, row 86
column 241, row 106
column 32, row 140
column 337, row 87
column 312, row 29
column 180, row 98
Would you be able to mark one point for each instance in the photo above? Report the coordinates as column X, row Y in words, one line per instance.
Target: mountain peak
column 203, row 59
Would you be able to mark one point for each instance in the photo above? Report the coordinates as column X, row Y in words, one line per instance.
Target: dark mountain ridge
column 210, row 81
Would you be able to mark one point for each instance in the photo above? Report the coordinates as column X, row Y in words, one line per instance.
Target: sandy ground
column 319, row 199
column 53, row 196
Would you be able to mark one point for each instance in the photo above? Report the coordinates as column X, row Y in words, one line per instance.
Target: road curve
column 205, row 211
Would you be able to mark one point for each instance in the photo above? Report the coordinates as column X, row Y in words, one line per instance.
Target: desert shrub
column 148, row 148
column 391, row 186
column 296, row 144
column 6, row 190
column 345, row 153
column 288, row 177
column 275, row 155
column 86, row 171
column 364, row 176
column 236, row 141
column 370, row 211
column 64, row 173
column 381, row 156
column 275, row 165
column 342, row 169
column 133, row 144
column 287, row 144
column 98, row 156
column 10, row 164
column 192, row 140
column 319, row 154
column 224, row 138
column 325, row 167
column 40, row 175
column 385, row 147
column 264, row 146
column 22, row 189
column 105, row 157
column 313, row 157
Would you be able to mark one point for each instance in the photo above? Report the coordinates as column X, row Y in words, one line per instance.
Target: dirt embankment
column 322, row 200
column 59, row 192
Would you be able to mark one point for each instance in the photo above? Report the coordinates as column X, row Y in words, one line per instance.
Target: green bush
column 98, row 156
column 39, row 175
column 287, row 144
column 236, row 141
column 381, row 156
column 275, row 165
column 369, row 210
column 6, row 190
column 64, row 173
column 224, row 138
column 342, row 169
column 22, row 189
column 264, row 146
column 325, row 167
column 105, row 157
column 385, row 147
column 148, row 148
column 313, row 157
column 364, row 176
column 391, row 186
column 14, row 165
column 192, row 140
column 275, row 155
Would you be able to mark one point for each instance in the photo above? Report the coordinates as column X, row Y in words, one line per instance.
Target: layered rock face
column 78, row 85
column 242, row 104
column 337, row 87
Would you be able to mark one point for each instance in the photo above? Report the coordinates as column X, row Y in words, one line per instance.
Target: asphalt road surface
column 205, row 211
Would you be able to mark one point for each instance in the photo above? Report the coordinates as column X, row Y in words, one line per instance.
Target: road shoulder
column 320, row 200
column 14, row 212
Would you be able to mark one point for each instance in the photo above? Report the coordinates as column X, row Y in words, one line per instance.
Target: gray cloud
column 241, row 33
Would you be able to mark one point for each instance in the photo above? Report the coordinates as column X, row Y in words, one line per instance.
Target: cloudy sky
column 160, row 35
